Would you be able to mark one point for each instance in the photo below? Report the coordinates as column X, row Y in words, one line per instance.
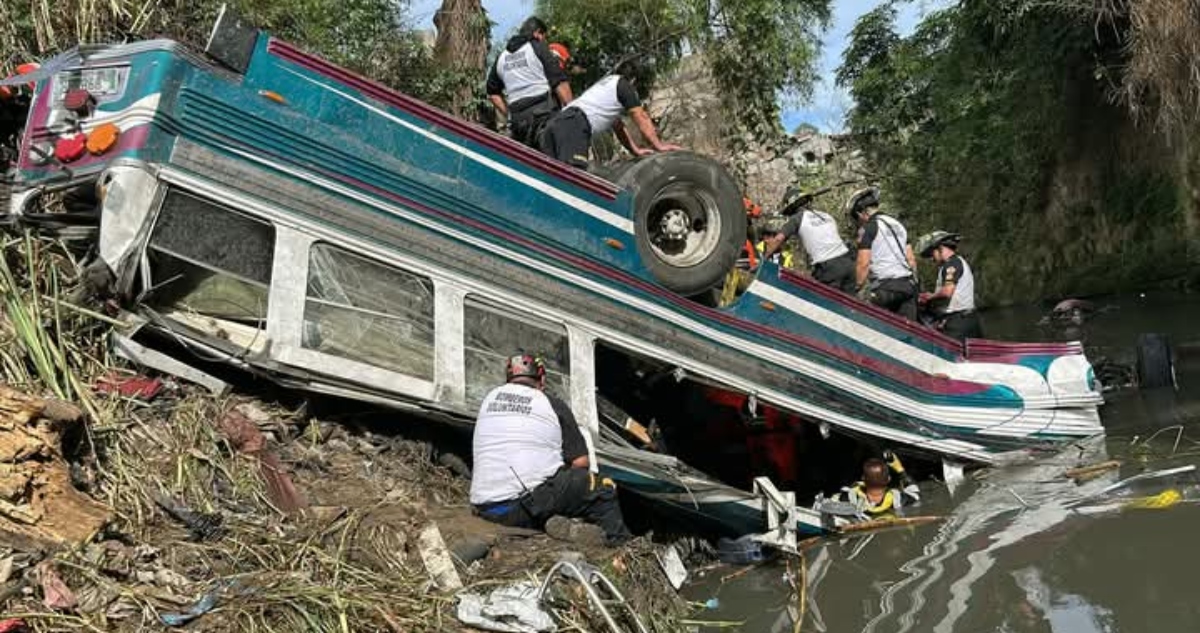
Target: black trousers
column 571, row 492
column 837, row 272
column 527, row 121
column 896, row 295
column 567, row 137
column 961, row 325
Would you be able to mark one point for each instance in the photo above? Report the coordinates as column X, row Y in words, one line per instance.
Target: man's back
column 886, row 238
column 819, row 233
column 517, row 444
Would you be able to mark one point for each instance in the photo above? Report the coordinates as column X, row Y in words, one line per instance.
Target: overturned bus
column 262, row 206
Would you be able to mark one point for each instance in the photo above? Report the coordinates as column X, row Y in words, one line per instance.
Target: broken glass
column 494, row 334
column 210, row 260
column 367, row 312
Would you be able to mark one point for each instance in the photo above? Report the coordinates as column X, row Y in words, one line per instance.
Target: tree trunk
column 38, row 505
column 463, row 40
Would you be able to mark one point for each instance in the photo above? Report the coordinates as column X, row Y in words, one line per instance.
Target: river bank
column 234, row 513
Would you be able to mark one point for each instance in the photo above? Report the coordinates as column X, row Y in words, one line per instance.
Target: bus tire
column 689, row 221
column 1155, row 367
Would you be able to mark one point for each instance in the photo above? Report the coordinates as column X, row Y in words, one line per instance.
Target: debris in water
column 672, row 566
column 1088, row 473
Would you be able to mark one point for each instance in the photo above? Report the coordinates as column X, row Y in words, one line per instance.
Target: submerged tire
column 1155, row 367
column 689, row 221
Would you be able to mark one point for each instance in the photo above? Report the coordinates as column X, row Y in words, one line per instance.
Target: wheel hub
column 674, row 225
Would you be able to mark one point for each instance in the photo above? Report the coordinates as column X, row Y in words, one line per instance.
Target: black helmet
column 794, row 199
column 524, row 366
column 861, row 200
column 930, row 241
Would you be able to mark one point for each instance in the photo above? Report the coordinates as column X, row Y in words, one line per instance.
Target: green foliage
column 368, row 36
column 756, row 49
column 990, row 120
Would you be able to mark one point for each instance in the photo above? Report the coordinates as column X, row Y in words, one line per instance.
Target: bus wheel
column 688, row 217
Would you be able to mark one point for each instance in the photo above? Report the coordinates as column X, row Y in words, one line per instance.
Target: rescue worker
column 568, row 134
column 885, row 268
column 531, row 461
column 528, row 83
column 953, row 301
column 828, row 255
column 875, row 496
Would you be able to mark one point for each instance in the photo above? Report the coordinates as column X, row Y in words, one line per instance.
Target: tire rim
column 683, row 225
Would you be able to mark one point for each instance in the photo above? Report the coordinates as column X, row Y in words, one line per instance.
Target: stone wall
column 687, row 108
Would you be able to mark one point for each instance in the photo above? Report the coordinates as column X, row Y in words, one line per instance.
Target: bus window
column 209, row 260
column 493, row 334
column 367, row 312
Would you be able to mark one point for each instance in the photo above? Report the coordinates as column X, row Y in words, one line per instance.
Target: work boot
column 576, row 531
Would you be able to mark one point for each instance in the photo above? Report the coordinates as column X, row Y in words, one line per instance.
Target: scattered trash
column 712, row 604
column 513, row 608
column 1155, row 474
column 1088, row 473
column 201, row 526
column 12, row 625
column 55, row 593
column 673, row 566
column 139, row 387
column 245, row 437
column 743, row 550
column 883, row 524
column 1160, row 501
column 437, row 559
column 202, row 606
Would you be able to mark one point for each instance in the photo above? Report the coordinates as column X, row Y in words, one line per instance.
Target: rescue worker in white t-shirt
column 953, row 301
column 828, row 255
column 528, row 83
column 568, row 135
column 885, row 267
column 531, row 461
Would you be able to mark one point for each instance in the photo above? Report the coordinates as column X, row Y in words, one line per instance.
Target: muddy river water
column 1012, row 555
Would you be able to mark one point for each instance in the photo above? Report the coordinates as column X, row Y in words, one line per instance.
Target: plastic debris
column 201, row 526
column 12, row 625
column 437, row 559
column 202, row 606
column 245, row 437
column 55, row 593
column 672, row 566
column 1160, row 501
column 140, row 387
column 740, row 551
column 511, row 609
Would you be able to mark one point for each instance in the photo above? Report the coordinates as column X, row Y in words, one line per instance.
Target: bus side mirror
column 232, row 40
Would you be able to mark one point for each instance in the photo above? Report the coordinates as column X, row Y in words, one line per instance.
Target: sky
column 828, row 105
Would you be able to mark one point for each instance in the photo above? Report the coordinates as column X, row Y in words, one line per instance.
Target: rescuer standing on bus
column 568, row 134
column 531, row 462
column 528, row 83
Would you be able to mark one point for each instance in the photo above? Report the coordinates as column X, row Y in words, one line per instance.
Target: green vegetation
column 756, row 48
column 371, row 37
column 998, row 119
